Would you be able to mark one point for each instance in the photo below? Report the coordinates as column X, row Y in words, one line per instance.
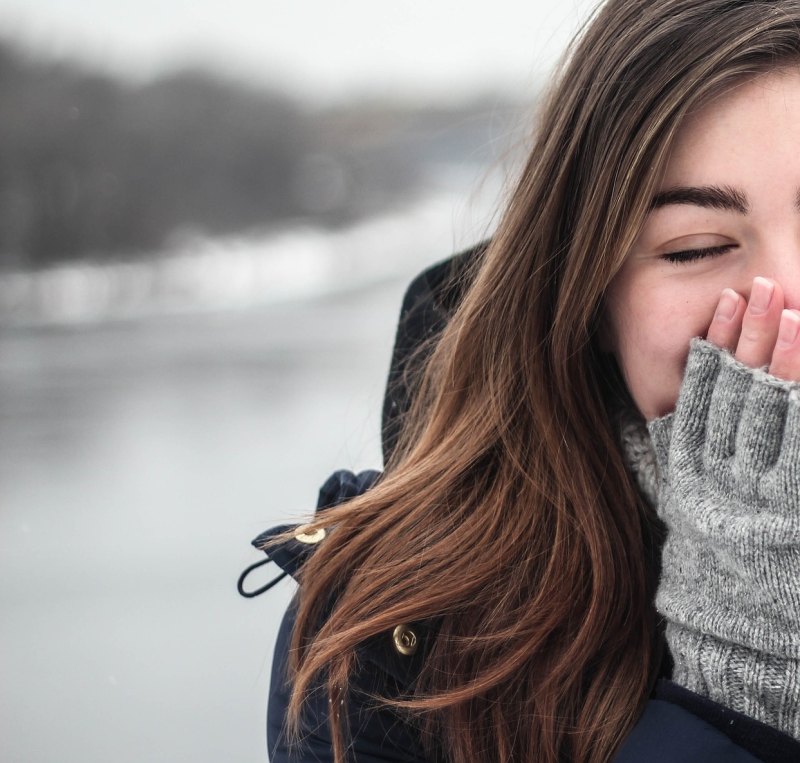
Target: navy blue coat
column 676, row 726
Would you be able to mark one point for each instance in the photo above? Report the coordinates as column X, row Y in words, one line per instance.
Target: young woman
column 584, row 498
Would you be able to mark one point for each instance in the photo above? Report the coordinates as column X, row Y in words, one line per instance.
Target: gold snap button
column 311, row 536
column 405, row 640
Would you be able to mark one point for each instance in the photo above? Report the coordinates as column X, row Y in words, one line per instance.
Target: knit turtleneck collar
column 637, row 449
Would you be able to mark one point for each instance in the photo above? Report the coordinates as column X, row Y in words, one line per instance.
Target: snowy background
column 166, row 397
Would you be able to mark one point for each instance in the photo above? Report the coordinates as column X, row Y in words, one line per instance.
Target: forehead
column 753, row 126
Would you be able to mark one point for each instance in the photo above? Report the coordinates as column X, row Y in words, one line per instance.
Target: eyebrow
column 710, row 196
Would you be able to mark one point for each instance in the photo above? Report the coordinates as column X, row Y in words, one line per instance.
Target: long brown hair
column 507, row 516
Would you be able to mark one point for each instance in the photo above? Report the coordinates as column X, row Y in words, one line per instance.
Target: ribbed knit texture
column 727, row 468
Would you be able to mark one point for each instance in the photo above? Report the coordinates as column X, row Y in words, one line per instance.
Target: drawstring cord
column 258, row 591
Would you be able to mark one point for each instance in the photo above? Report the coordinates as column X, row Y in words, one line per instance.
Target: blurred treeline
column 91, row 166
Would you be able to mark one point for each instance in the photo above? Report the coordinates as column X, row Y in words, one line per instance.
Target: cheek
column 651, row 338
column 652, row 364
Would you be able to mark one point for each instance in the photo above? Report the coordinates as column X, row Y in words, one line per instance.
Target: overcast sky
column 319, row 49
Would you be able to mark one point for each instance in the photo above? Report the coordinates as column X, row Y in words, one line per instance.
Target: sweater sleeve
column 378, row 734
column 729, row 462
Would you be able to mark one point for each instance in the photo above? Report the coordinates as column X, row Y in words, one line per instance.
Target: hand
column 759, row 333
column 729, row 461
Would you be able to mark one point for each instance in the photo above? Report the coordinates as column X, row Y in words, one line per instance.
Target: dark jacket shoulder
column 387, row 666
column 677, row 726
column 399, row 653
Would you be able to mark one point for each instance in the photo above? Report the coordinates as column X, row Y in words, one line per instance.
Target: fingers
column 727, row 323
column 759, row 331
column 786, row 356
column 760, row 323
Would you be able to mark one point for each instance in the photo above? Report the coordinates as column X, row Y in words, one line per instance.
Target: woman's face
column 727, row 211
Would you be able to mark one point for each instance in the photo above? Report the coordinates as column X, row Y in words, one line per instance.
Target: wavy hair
column 507, row 517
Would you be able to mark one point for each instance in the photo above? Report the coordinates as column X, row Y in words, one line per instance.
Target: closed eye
column 687, row 255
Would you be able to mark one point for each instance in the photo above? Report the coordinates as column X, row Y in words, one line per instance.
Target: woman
column 493, row 596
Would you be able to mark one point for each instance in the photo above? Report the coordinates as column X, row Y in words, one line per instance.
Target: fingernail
column 790, row 325
column 728, row 302
column 761, row 295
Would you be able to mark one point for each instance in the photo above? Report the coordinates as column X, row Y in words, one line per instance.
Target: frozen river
column 137, row 460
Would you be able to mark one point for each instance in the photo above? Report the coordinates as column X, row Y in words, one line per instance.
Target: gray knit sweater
column 724, row 472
